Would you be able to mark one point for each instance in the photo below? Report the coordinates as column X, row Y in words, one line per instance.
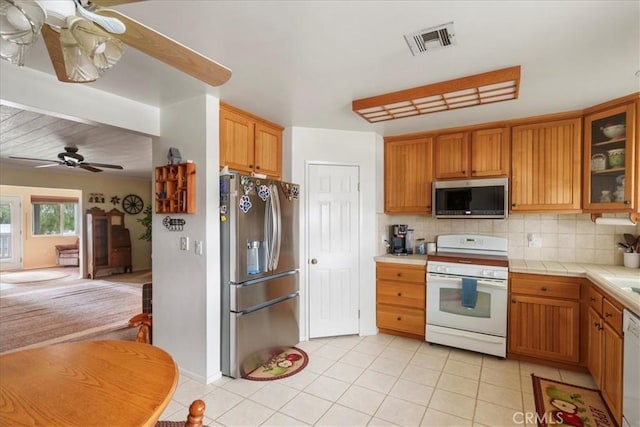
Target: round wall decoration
column 132, row 204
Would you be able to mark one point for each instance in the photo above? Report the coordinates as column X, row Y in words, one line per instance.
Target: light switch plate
column 198, row 246
column 184, row 243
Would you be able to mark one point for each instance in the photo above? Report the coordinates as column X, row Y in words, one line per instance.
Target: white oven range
column 467, row 284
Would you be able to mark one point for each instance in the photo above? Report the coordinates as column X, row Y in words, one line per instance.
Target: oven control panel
column 468, row 270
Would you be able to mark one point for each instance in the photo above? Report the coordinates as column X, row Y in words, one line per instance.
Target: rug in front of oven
column 282, row 365
column 559, row 403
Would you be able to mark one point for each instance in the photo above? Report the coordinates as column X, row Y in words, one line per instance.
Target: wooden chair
column 196, row 415
column 143, row 321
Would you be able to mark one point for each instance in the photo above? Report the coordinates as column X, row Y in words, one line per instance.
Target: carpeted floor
column 68, row 310
column 30, row 276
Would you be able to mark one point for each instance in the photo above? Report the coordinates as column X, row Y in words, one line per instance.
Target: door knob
column 314, row 261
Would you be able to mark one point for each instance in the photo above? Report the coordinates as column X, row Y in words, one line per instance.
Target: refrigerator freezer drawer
column 262, row 334
column 248, row 295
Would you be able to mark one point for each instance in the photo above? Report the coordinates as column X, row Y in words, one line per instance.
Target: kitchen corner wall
column 563, row 238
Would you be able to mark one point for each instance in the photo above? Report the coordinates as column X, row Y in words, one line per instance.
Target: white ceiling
column 302, row 63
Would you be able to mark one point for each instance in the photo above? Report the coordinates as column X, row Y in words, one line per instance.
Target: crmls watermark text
column 560, row 417
column 537, row 419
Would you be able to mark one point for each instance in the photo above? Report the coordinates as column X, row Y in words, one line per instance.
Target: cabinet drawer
column 547, row 289
column 594, row 299
column 401, row 319
column 401, row 272
column 612, row 315
column 402, row 294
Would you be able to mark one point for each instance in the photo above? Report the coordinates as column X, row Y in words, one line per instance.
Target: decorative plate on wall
column 132, row 204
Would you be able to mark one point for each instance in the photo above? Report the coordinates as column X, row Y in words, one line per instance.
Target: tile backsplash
column 564, row 238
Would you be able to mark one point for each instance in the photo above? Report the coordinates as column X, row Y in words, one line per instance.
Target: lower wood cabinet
column 544, row 317
column 401, row 299
column 604, row 360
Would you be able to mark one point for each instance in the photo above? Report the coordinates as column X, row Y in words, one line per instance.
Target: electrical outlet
column 198, row 246
column 534, row 241
column 184, row 243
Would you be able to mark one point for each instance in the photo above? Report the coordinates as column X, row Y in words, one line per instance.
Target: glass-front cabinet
column 610, row 168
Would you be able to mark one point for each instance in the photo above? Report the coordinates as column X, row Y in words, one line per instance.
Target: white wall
column 42, row 92
column 186, row 286
column 339, row 147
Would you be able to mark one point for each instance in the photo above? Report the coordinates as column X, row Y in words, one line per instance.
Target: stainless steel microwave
column 472, row 198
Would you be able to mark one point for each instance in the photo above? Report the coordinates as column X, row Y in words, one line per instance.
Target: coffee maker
column 398, row 239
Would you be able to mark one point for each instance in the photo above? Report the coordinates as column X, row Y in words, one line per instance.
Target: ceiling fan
column 72, row 159
column 84, row 40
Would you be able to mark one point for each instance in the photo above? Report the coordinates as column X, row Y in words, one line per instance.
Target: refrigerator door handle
column 271, row 220
column 278, row 227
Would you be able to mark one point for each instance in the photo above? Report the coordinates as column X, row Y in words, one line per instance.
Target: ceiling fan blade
column 169, row 51
column 89, row 168
column 35, row 160
column 50, row 165
column 52, row 41
column 102, row 165
column 111, row 3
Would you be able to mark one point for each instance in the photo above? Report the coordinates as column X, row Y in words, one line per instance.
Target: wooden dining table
column 88, row 383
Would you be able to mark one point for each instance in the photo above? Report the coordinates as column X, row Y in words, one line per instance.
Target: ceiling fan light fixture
column 493, row 86
column 78, row 66
column 103, row 49
column 20, row 24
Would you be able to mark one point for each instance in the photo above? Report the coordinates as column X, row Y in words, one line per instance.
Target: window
column 54, row 216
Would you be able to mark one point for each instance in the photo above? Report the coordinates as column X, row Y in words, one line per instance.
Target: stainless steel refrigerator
column 259, row 271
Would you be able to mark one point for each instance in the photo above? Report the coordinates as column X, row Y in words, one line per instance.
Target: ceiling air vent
column 438, row 37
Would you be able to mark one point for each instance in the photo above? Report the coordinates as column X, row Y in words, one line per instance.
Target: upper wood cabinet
column 249, row 143
column 475, row 154
column 408, row 173
column 546, row 167
column 610, row 161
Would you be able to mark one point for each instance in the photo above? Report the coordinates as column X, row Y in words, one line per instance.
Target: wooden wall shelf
column 175, row 188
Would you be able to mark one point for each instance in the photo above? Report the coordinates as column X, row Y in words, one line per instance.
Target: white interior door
column 333, row 219
column 10, row 232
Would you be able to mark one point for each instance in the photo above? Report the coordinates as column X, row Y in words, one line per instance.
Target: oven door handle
column 483, row 283
column 485, row 338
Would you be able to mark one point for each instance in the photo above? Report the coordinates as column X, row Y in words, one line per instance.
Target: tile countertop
column 406, row 259
column 597, row 273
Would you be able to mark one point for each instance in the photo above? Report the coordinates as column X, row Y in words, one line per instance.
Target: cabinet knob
column 513, row 205
column 257, row 167
column 544, row 289
column 627, row 202
column 464, row 172
column 250, row 166
column 399, row 318
column 472, row 172
column 399, row 274
column 592, row 299
column 600, row 327
column 399, row 294
column 314, row 261
column 596, row 324
column 513, row 301
column 608, row 315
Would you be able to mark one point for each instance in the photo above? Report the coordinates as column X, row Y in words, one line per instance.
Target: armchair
column 68, row 254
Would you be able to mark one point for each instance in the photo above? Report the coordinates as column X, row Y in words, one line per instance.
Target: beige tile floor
column 379, row 380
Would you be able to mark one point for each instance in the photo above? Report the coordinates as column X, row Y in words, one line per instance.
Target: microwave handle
column 502, row 285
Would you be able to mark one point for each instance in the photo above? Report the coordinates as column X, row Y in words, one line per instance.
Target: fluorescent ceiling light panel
column 478, row 89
